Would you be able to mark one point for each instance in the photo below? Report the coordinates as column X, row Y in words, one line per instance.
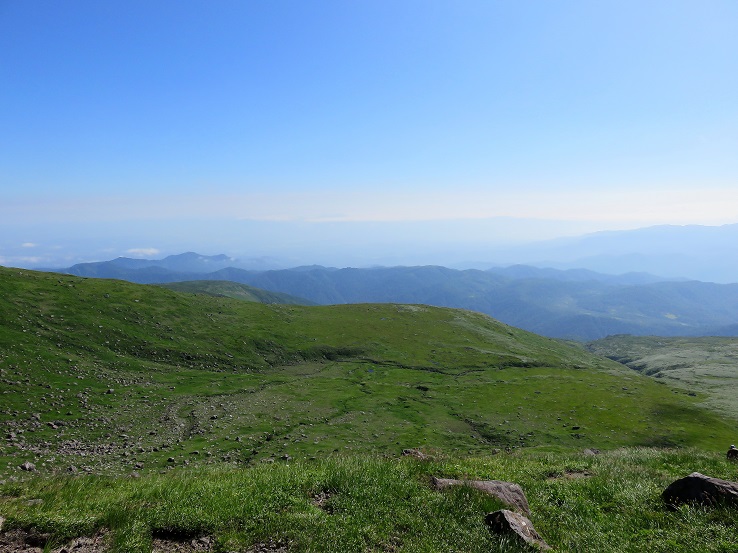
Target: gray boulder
column 698, row 488
column 506, row 522
column 509, row 493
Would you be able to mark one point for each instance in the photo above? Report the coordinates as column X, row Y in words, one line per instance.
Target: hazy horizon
column 359, row 133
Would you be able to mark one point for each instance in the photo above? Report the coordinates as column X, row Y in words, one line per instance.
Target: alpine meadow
column 374, row 276
column 154, row 418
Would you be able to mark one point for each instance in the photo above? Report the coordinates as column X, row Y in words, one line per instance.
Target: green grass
column 101, row 378
column 135, row 375
column 226, row 289
column 609, row 502
column 704, row 366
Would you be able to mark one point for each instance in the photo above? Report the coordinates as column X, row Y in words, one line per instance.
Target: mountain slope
column 565, row 304
column 705, row 365
column 227, row 289
column 106, row 375
column 579, row 310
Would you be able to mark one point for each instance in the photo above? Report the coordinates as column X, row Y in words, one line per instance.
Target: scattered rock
column 27, row 466
column 732, row 453
column 416, row 453
column 508, row 492
column 506, row 522
column 591, row 451
column 698, row 488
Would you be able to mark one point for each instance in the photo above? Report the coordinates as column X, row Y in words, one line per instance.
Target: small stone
column 416, row 453
column 27, row 466
column 732, row 453
column 508, row 522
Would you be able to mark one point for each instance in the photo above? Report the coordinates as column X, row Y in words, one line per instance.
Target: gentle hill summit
column 227, row 289
column 106, row 375
column 575, row 304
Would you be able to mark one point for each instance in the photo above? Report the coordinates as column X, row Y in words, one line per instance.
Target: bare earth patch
column 197, row 545
column 21, row 541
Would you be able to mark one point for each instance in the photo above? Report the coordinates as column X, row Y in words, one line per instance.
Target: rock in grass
column 27, row 466
column 509, row 493
column 698, row 488
column 415, row 453
column 506, row 522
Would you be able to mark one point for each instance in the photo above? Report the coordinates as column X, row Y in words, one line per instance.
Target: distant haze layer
column 708, row 253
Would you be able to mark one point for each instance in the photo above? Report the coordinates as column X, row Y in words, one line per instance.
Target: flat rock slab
column 509, row 493
column 698, row 488
column 506, row 522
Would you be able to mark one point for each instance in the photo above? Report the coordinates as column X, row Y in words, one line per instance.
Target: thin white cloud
column 147, row 252
column 28, row 245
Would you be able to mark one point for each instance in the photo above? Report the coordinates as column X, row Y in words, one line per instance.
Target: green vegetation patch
column 608, row 502
column 226, row 289
column 705, row 367
column 108, row 377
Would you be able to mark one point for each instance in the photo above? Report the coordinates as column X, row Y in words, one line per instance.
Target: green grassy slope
column 704, row 365
column 227, row 289
column 598, row 503
column 111, row 376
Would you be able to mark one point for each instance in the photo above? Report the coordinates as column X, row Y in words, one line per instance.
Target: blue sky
column 269, row 128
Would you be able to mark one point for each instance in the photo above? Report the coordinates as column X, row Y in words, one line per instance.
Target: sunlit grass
column 608, row 502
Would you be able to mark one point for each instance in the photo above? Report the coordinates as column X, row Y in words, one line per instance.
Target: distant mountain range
column 707, row 253
column 572, row 304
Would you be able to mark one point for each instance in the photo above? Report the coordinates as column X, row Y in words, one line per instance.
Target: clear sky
column 268, row 127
